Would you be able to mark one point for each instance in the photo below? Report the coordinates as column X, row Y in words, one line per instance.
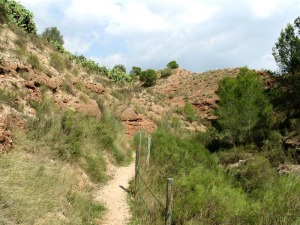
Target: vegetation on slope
column 58, row 154
column 229, row 174
column 43, row 177
column 207, row 193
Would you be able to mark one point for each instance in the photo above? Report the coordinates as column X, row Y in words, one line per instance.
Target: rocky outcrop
column 134, row 122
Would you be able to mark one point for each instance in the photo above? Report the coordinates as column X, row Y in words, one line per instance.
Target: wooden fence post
column 169, row 201
column 137, row 166
column 148, row 150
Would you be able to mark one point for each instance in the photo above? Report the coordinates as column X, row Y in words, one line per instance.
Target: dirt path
column 114, row 197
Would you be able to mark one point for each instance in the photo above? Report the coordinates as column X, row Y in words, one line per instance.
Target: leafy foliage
column 149, row 77
column 287, row 56
column 287, row 49
column 52, row 34
column 136, row 71
column 118, row 76
column 205, row 193
column 120, row 67
column 243, row 109
column 19, row 15
column 3, row 16
column 189, row 112
column 166, row 72
column 173, row 65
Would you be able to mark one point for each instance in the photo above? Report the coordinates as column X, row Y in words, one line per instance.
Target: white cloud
column 76, row 45
column 201, row 34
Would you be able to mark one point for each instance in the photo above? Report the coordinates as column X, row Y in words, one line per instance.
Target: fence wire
column 157, row 200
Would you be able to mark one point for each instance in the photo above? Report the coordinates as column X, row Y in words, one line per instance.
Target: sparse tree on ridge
column 52, row 34
column 173, row 65
column 120, row 67
column 136, row 71
column 149, row 77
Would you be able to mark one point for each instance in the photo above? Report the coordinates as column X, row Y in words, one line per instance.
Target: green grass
column 10, row 98
column 34, row 61
column 79, row 138
column 58, row 61
column 36, row 189
column 205, row 192
column 43, row 177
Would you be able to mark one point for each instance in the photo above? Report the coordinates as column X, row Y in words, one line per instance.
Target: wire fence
column 150, row 201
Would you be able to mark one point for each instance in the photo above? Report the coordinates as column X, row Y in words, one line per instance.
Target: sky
column 200, row 35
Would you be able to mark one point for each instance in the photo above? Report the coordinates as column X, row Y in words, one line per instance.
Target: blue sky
column 200, row 35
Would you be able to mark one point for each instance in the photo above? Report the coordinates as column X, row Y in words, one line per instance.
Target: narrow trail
column 114, row 197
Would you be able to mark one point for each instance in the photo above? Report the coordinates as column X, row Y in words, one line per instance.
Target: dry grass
column 37, row 189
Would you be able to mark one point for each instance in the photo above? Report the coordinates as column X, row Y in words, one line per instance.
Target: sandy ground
column 114, row 197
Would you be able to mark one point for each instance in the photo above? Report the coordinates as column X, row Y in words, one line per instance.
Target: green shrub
column 19, row 15
column 189, row 112
column 118, row 76
column 148, row 77
column 250, row 192
column 206, row 197
column 136, row 71
column 52, row 34
column 173, row 65
column 3, row 16
column 34, row 61
column 281, row 203
column 254, row 175
column 166, row 72
column 120, row 67
column 11, row 99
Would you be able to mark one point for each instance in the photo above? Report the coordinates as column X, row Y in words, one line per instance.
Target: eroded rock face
column 130, row 115
column 134, row 122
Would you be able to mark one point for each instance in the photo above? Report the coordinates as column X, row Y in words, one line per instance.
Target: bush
column 10, row 98
column 19, row 15
column 149, row 77
column 166, row 72
column 205, row 193
column 173, row 65
column 34, row 61
column 135, row 71
column 118, row 76
column 120, row 67
column 52, row 34
column 3, row 16
column 189, row 112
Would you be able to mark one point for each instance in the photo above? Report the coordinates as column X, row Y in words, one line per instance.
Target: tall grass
column 205, row 193
column 35, row 189
column 42, row 179
column 78, row 138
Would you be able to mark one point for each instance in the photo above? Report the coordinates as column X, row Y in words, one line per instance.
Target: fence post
column 169, row 201
column 137, row 166
column 148, row 150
